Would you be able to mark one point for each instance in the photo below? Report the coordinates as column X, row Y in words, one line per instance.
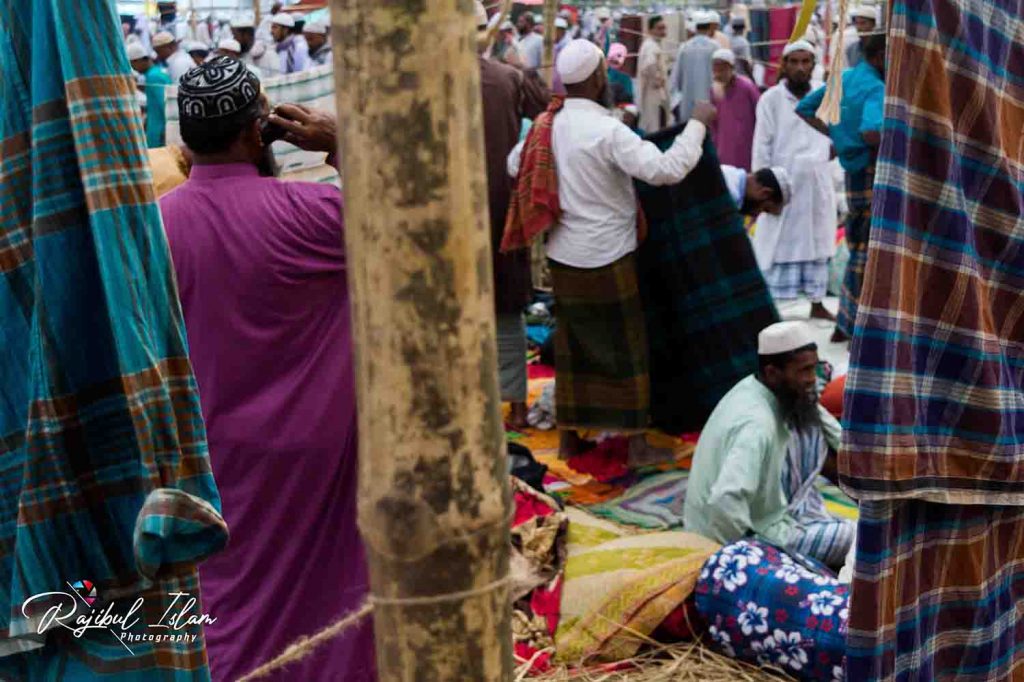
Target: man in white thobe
column 691, row 78
column 170, row 55
column 255, row 52
column 793, row 249
column 652, row 79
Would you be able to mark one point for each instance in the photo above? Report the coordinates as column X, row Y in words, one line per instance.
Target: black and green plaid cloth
column 703, row 294
column 601, row 364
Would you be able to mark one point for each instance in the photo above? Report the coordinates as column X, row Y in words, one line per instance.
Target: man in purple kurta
column 261, row 274
column 735, row 97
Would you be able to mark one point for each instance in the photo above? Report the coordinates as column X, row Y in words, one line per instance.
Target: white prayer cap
column 317, row 27
column 603, row 13
column 632, row 109
column 784, row 337
column 797, row 46
column 865, row 12
column 481, row 14
column 701, row 17
column 230, row 45
column 195, row 46
column 578, row 61
column 724, row 55
column 784, row 183
column 282, row 19
column 136, row 51
column 506, row 25
column 243, row 21
column 561, row 23
column 163, row 38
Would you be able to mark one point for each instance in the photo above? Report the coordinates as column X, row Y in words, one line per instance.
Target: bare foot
column 517, row 417
column 820, row 312
column 641, row 454
column 839, row 336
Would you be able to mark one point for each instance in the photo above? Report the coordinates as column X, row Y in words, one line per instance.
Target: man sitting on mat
column 759, row 457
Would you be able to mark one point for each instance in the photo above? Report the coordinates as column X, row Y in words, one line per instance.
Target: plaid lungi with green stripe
column 106, row 491
column 601, row 370
column 858, row 230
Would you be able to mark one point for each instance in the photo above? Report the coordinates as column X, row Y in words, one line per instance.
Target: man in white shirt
column 255, row 52
column 652, row 79
column 601, row 353
column 171, row 56
column 794, row 248
column 531, row 43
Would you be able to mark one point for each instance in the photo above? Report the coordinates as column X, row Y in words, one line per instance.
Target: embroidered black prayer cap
column 219, row 87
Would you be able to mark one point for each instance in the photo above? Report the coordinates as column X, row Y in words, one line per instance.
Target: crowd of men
column 274, row 253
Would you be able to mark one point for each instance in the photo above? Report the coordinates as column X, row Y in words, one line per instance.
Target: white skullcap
column 560, row 22
column 578, row 61
column 784, row 183
column 317, row 27
column 243, row 21
column 797, row 46
column 230, row 45
column 163, row 38
column 724, row 55
column 783, row 337
column 282, row 19
column 480, row 13
column 603, row 13
column 701, row 17
column 632, row 109
column 865, row 12
column 195, row 45
column 136, row 51
column 506, row 25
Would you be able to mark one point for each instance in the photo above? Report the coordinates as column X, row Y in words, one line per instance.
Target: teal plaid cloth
column 104, row 470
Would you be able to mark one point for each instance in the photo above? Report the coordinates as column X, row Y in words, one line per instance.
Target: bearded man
column 759, row 457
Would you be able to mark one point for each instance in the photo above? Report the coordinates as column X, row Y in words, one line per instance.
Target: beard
column 606, row 97
column 799, row 409
column 798, row 88
column 750, row 208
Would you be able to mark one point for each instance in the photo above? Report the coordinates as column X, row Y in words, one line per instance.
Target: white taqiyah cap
column 136, row 51
column 243, row 21
column 481, row 14
column 282, row 19
column 797, row 46
column 230, row 45
column 603, row 13
column 560, row 22
column 507, row 26
column 195, row 46
column 706, row 17
column 865, row 12
column 783, row 337
column 785, row 184
column 316, row 27
column 724, row 55
column 163, row 38
column 578, row 61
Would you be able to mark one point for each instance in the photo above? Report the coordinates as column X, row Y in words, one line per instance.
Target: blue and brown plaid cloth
column 934, row 406
column 105, row 480
column 704, row 297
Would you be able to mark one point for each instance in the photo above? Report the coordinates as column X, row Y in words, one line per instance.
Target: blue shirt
column 157, row 80
column 861, row 111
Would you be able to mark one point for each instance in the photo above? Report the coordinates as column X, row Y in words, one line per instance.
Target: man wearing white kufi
column 691, row 78
column 170, row 55
column 601, row 362
column 761, row 452
column 255, row 52
column 794, row 248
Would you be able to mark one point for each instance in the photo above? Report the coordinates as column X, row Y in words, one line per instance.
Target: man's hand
column 309, row 129
column 816, row 123
column 704, row 112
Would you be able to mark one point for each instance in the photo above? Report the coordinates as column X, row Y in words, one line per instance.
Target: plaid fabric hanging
column 106, row 492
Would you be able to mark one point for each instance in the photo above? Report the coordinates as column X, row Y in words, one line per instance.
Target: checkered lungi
column 512, row 377
column 788, row 281
column 601, row 355
column 858, row 229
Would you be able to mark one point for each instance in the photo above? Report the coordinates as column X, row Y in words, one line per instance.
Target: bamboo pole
column 256, row 13
column 433, row 489
column 550, row 10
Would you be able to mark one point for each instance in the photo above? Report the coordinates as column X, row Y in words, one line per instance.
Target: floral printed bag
column 767, row 607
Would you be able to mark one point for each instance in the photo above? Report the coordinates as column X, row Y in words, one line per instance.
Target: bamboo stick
column 256, row 13
column 548, row 65
column 433, row 489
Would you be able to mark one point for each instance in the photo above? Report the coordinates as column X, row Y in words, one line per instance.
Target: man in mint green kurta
column 762, row 450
